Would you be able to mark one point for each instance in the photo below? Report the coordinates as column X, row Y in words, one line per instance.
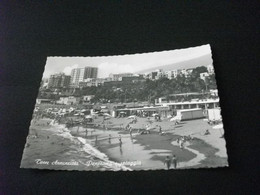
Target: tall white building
column 80, row 74
column 170, row 74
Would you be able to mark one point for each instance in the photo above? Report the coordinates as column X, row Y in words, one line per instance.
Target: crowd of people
column 147, row 128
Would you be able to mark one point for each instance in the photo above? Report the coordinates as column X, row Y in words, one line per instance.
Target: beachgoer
column 109, row 139
column 181, row 142
column 207, row 132
column 127, row 127
column 130, row 131
column 167, row 162
column 174, row 161
column 120, row 140
column 147, row 129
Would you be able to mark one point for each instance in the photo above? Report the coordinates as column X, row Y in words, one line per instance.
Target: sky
column 130, row 63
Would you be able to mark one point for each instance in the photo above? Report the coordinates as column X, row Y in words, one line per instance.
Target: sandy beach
column 93, row 150
column 51, row 146
column 202, row 151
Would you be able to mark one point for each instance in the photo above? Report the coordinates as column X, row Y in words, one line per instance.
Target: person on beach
column 127, row 127
column 120, row 141
column 130, row 131
column 207, row 132
column 167, row 162
column 181, row 142
column 148, row 129
column 109, row 138
column 174, row 161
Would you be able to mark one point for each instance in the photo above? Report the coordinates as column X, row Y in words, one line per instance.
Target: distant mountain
column 193, row 63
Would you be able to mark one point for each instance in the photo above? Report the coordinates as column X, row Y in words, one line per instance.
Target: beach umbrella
column 219, row 126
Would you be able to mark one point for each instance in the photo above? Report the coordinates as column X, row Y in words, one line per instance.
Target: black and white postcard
column 148, row 111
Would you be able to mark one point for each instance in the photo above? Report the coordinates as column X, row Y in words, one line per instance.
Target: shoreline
column 78, row 150
column 154, row 147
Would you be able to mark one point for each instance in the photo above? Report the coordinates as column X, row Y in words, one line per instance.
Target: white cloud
column 104, row 69
column 67, row 70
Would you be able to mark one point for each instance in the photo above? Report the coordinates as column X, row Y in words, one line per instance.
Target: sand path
column 195, row 161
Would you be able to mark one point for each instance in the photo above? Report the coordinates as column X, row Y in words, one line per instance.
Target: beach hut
column 214, row 114
column 190, row 114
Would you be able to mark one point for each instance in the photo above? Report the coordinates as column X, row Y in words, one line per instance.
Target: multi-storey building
column 44, row 83
column 96, row 82
column 80, row 74
column 118, row 77
column 170, row 74
column 152, row 75
column 203, row 75
column 160, row 74
column 189, row 71
column 210, row 69
column 59, row 81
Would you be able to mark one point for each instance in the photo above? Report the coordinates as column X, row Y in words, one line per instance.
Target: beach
column 51, row 146
column 74, row 149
